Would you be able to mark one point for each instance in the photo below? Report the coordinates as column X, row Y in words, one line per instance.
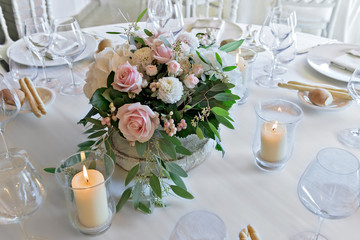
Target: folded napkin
column 348, row 61
column 215, row 26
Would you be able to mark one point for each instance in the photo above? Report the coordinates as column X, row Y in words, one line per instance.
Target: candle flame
column 279, row 109
column 274, row 126
column 86, row 176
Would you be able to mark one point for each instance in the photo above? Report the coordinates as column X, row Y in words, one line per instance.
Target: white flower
column 190, row 39
column 95, row 78
column 142, row 57
column 170, row 89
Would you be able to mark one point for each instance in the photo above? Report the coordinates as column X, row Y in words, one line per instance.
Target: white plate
column 229, row 31
column 20, row 46
column 319, row 58
column 336, row 105
column 47, row 96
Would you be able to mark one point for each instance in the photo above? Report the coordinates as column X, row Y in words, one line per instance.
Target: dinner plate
column 336, row 105
column 47, row 96
column 319, row 59
column 20, row 46
column 228, row 31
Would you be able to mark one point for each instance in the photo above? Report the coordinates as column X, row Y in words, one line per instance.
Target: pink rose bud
column 151, row 70
column 162, row 53
column 191, row 81
column 173, row 67
column 198, row 70
column 127, row 79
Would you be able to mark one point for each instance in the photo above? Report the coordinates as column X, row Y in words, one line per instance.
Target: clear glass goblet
column 68, row 42
column 175, row 24
column 276, row 35
column 329, row 188
column 9, row 105
column 351, row 136
column 21, row 190
column 160, row 11
column 37, row 38
column 19, row 70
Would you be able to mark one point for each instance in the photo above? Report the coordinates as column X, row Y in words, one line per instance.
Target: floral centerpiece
column 154, row 90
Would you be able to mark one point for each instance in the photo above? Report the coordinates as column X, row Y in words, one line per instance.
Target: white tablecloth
column 232, row 187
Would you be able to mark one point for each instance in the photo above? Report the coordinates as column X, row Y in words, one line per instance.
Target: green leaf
column 174, row 168
column 124, row 198
column 224, row 121
column 50, row 170
column 177, row 180
column 219, row 146
column 140, row 148
column 86, row 144
column 218, row 59
column 141, row 15
column 168, row 147
column 173, row 139
column 147, row 32
column 226, row 97
column 214, row 130
column 231, row 46
column 98, row 101
column 136, row 194
column 165, row 41
column 221, row 87
column 144, row 208
column 181, row 192
column 202, row 58
column 95, row 128
column 182, row 150
column 97, row 134
column 140, row 40
column 199, row 133
column 220, row 111
column 110, row 79
column 113, row 32
column 92, row 165
column 131, row 174
column 94, row 121
column 229, row 68
column 155, row 184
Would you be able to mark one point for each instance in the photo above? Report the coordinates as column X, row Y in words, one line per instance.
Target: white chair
column 314, row 16
column 8, row 41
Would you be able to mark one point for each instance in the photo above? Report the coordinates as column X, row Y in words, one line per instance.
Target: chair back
column 7, row 40
column 314, row 16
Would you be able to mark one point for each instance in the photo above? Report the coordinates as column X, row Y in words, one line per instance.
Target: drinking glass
column 21, row 189
column 9, row 105
column 68, row 42
column 175, row 24
column 276, row 35
column 329, row 188
column 160, row 11
column 37, row 38
column 351, row 136
column 19, row 70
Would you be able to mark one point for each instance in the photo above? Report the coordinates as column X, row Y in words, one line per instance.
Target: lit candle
column 90, row 197
column 273, row 141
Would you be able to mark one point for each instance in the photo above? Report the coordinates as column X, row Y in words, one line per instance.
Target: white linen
column 232, row 187
column 347, row 61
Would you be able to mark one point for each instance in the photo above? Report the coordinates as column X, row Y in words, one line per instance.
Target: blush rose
column 191, row 81
column 127, row 79
column 162, row 53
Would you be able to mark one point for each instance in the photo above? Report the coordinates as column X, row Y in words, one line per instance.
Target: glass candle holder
column 85, row 178
column 275, row 130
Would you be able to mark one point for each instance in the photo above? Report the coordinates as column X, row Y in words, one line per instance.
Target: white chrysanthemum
column 190, row 39
column 124, row 50
column 142, row 57
column 170, row 90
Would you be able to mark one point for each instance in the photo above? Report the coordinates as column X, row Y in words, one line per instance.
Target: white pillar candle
column 90, row 197
column 273, row 141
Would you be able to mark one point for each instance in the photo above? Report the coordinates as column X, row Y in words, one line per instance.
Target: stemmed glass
column 351, row 136
column 21, row 189
column 329, row 188
column 160, row 11
column 37, row 38
column 276, row 35
column 175, row 24
column 19, row 70
column 68, row 42
column 9, row 105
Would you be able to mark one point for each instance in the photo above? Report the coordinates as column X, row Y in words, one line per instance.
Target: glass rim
column 296, row 107
column 57, row 172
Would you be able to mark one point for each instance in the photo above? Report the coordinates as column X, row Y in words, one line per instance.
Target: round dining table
column 231, row 186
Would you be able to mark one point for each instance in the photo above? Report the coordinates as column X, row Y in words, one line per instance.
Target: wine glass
column 9, row 105
column 276, row 35
column 68, row 42
column 22, row 190
column 351, row 136
column 20, row 70
column 329, row 188
column 175, row 24
column 160, row 11
column 37, row 38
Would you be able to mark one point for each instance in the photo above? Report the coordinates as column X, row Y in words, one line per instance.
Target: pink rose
column 137, row 122
column 162, row 53
column 190, row 81
column 127, row 79
column 151, row 70
column 197, row 70
column 173, row 67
